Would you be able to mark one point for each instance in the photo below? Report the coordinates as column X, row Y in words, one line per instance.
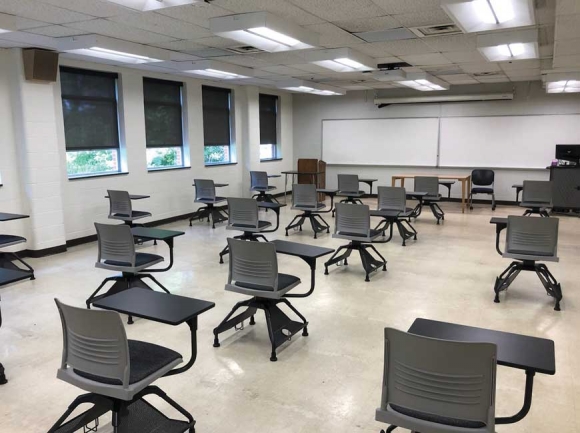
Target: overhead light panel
column 424, row 82
column 340, row 60
column 215, row 69
column 111, row 49
column 7, row 23
column 562, row 83
column 264, row 31
column 509, row 46
column 152, row 5
column 484, row 15
column 310, row 87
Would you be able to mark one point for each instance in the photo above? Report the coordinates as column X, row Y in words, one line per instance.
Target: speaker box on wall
column 40, row 65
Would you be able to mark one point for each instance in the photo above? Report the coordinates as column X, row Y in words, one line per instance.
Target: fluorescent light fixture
column 424, row 82
column 340, row 60
column 388, row 76
column 264, row 31
column 484, row 15
column 7, row 23
column 152, row 5
column 562, row 82
column 509, row 46
column 111, row 49
column 215, row 69
column 310, row 87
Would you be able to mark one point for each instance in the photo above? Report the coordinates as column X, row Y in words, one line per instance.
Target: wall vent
column 245, row 49
column 439, row 30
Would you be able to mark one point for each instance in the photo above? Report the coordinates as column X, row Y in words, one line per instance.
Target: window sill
column 92, row 176
column 154, row 170
column 221, row 164
column 270, row 159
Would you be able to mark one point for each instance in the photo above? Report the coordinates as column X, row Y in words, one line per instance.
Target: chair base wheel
column 273, row 358
column 216, row 343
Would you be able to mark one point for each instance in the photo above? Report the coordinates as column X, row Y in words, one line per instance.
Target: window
column 91, row 125
column 268, row 127
column 217, row 125
column 163, row 123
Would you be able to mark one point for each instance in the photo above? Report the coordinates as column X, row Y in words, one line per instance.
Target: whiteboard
column 506, row 141
column 381, row 141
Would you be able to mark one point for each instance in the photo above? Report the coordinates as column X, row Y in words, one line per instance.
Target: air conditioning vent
column 488, row 74
column 246, row 49
column 440, row 30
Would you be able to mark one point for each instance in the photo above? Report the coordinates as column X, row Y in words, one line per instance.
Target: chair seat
column 141, row 259
column 8, row 240
column 373, row 233
column 481, row 190
column 530, row 253
column 429, row 198
column 247, row 227
column 310, row 208
column 145, row 359
column 136, row 214
column 285, row 284
column 284, row 281
column 210, row 200
column 263, row 188
column 534, row 204
column 454, row 422
column 350, row 193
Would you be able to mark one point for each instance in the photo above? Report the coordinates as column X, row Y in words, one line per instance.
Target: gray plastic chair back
column 204, row 189
column 348, row 183
column 253, row 263
column 353, row 219
column 258, row 179
column 537, row 191
column 428, row 184
column 392, row 198
column 243, row 212
column 532, row 236
column 94, row 342
column 116, row 243
column 450, row 379
column 304, row 196
column 119, row 203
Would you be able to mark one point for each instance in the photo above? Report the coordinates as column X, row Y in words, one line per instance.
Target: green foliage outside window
column 164, row 157
column 91, row 161
column 216, row 154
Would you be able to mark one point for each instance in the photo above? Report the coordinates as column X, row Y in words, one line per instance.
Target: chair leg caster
column 557, row 307
column 367, row 279
column 130, row 320
column 325, row 271
column 221, row 260
column 305, row 332
column 32, row 277
column 384, row 268
column 273, row 357
column 496, row 299
column 286, row 232
column 252, row 321
column 345, row 262
column 216, row 342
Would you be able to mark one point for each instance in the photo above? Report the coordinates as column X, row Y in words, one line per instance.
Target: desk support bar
column 527, row 402
column 312, row 263
column 193, row 329
column 169, row 243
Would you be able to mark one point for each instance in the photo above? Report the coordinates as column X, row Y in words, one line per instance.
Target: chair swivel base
column 553, row 288
column 280, row 327
column 6, row 262
column 370, row 264
column 135, row 416
column 3, row 380
column 316, row 221
column 123, row 282
column 537, row 211
column 406, row 230
column 209, row 212
column 263, row 196
column 437, row 211
column 247, row 236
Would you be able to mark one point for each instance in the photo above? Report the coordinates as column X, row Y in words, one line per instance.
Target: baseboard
column 475, row 201
column 36, row 254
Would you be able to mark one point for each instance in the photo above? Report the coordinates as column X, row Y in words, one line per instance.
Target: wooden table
column 465, row 180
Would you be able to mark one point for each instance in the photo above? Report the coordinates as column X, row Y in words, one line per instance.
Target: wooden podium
column 313, row 166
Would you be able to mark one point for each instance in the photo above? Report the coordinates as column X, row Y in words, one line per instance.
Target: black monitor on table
column 568, row 152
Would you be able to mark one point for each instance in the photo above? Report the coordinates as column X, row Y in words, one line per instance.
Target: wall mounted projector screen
column 396, row 142
column 505, row 142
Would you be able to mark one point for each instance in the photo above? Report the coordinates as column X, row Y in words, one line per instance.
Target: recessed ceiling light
column 424, row 82
column 340, row 60
column 310, row 87
column 562, row 82
column 509, row 46
column 215, row 69
column 151, row 5
column 484, row 15
column 264, row 31
column 7, row 23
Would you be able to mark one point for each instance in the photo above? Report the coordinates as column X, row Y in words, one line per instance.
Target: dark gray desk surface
column 308, row 173
column 446, row 182
column 12, row 216
column 367, row 180
column 513, row 350
column 218, row 185
column 416, row 194
column 157, row 234
column 8, row 276
column 271, row 176
column 328, row 191
column 300, row 250
column 159, row 307
column 135, row 196
column 498, row 220
column 518, row 185
column 268, row 205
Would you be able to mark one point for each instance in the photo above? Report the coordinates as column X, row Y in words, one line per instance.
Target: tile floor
column 329, row 381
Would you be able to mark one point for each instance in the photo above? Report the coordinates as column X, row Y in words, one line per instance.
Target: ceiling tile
column 567, row 61
column 537, row 77
column 535, row 72
column 546, row 12
column 393, row 7
column 519, row 65
column 568, row 26
column 388, row 59
column 493, row 79
column 120, row 31
column 368, row 24
column 36, row 10
column 246, row 60
column 96, row 8
column 337, row 10
column 396, row 48
column 217, row 42
column 426, row 59
column 162, row 25
column 567, row 47
column 56, row 31
column 282, row 8
column 465, row 57
column 332, row 36
column 380, row 85
column 453, row 43
column 567, row 7
column 356, row 87
column 456, row 77
column 312, row 68
column 25, row 23
column 197, row 13
column 285, row 58
column 284, row 70
column 210, row 52
column 179, row 45
column 472, row 68
column 424, row 18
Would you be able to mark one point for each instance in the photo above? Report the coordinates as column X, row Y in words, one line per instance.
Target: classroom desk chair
column 259, row 184
column 205, row 194
column 305, row 199
column 537, row 197
column 437, row 386
column 430, row 185
column 528, row 241
column 121, row 208
column 483, row 183
column 393, row 201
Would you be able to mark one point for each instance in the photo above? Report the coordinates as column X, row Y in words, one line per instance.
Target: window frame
column 276, row 147
column 231, row 121
column 181, row 87
column 115, row 108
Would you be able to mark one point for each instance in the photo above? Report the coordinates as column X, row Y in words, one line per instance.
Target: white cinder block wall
column 530, row 99
column 40, row 186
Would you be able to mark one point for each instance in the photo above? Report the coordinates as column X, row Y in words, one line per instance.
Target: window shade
column 163, row 116
column 216, row 116
column 89, row 105
column 268, row 119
